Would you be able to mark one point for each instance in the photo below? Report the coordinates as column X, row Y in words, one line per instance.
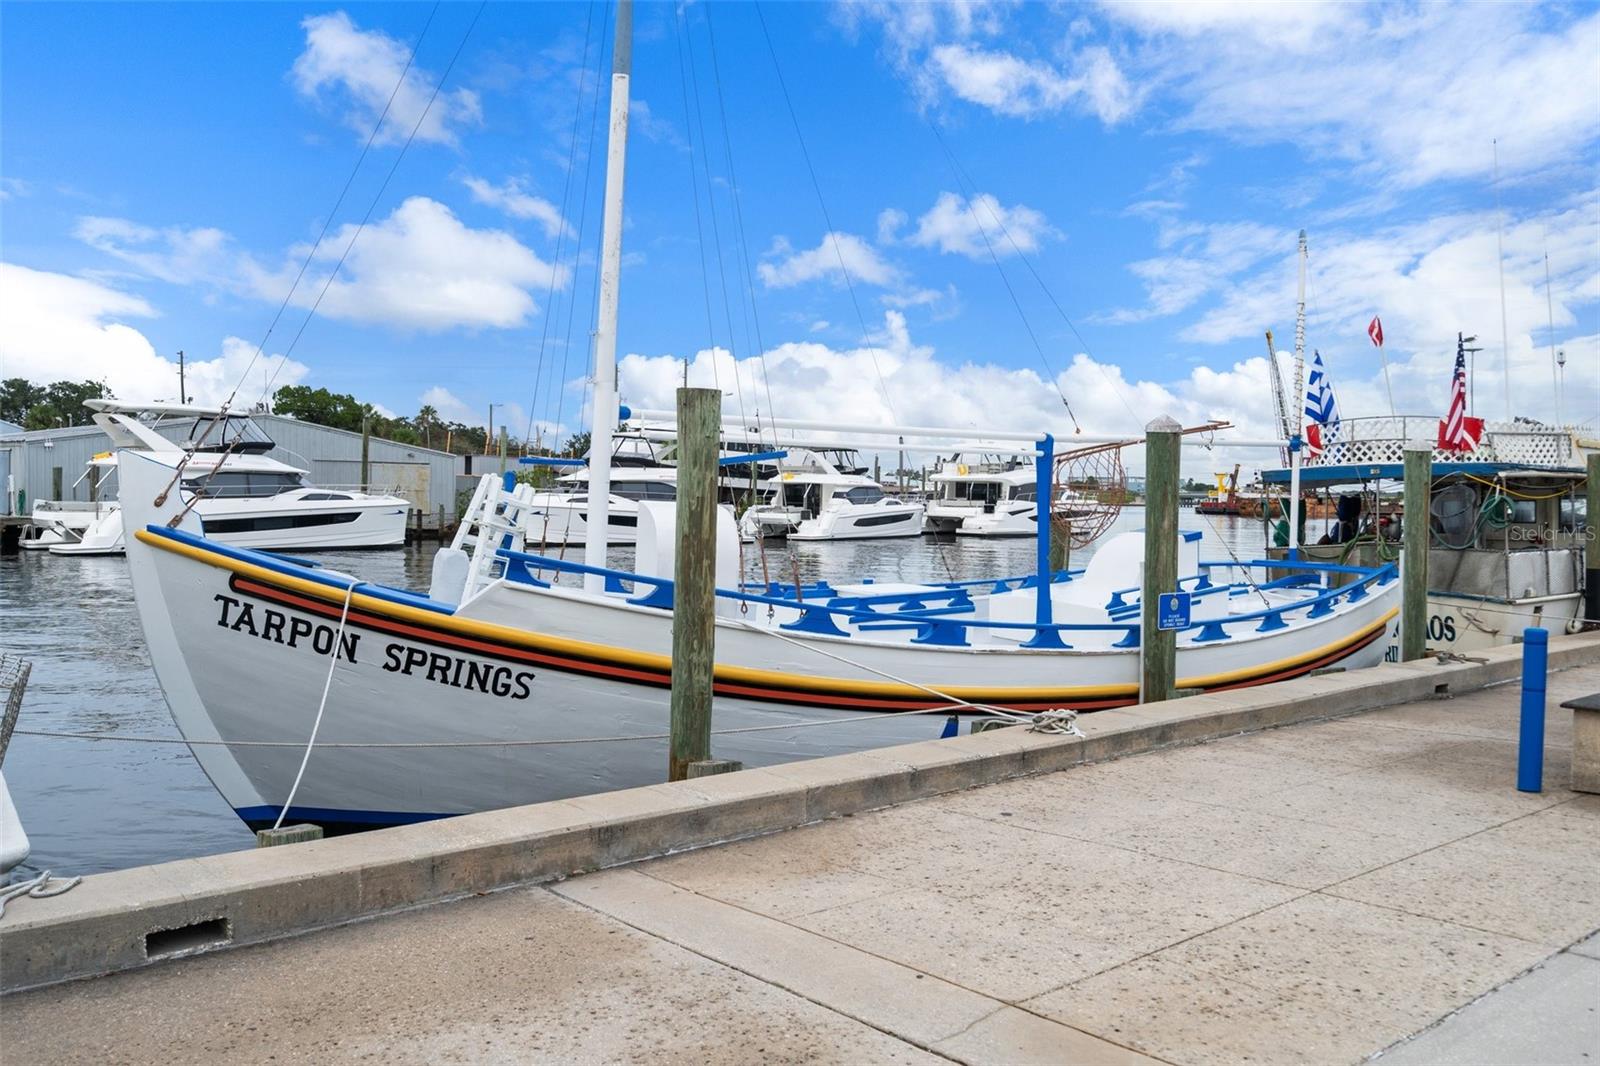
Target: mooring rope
column 322, row 704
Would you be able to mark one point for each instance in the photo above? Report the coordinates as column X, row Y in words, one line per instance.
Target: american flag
column 1457, row 431
column 1321, row 407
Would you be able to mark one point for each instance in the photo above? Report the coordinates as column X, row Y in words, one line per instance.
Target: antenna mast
column 1285, row 430
column 1295, row 444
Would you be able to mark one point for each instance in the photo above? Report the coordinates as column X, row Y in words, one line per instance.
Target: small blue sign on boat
column 1172, row 610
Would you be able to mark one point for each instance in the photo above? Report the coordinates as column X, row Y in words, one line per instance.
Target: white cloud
column 354, row 71
column 55, row 326
column 836, row 255
column 512, row 197
column 13, row 187
column 956, row 225
column 816, row 381
column 1412, row 93
column 173, row 253
column 420, row 268
column 1026, row 88
column 1427, row 278
column 1285, row 25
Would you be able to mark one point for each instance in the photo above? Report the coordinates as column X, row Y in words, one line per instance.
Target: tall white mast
column 603, row 417
column 1298, row 411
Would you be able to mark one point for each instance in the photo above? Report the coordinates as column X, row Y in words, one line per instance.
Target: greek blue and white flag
column 1321, row 408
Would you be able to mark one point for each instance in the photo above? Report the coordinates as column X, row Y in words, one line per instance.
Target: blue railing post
column 1044, row 481
column 1530, row 740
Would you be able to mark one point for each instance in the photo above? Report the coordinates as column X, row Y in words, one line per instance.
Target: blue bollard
column 1530, row 741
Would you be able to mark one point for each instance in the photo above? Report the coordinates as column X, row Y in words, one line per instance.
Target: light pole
column 1561, row 383
column 488, row 435
column 1472, row 387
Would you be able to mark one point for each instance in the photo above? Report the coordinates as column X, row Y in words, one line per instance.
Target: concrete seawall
column 131, row 918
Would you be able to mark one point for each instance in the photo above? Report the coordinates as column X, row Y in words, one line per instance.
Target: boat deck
column 1317, row 892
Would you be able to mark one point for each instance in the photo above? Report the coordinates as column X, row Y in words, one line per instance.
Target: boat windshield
column 244, row 484
column 237, row 433
column 644, row 490
column 863, row 494
column 845, row 460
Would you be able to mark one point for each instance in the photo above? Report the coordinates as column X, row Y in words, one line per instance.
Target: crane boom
column 1285, row 428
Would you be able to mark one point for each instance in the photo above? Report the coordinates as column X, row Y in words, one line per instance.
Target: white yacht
column 560, row 517
column 53, row 522
column 812, row 499
column 979, row 492
column 242, row 497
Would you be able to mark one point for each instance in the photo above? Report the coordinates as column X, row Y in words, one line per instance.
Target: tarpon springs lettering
column 241, row 616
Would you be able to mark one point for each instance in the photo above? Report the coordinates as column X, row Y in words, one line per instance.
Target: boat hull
column 491, row 698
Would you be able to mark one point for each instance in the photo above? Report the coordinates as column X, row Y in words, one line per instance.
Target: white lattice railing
column 1359, row 441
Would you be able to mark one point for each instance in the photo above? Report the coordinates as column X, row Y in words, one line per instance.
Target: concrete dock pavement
column 1321, row 892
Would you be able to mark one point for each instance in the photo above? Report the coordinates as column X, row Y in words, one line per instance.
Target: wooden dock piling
column 694, row 579
column 1417, row 477
column 1158, row 658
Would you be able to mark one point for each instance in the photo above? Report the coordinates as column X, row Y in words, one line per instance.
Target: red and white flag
column 1457, row 431
column 1375, row 331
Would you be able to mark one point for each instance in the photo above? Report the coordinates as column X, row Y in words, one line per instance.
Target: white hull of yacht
column 1007, row 519
column 554, row 521
column 241, row 644
column 376, row 522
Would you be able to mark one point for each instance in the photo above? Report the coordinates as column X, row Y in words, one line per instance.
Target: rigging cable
column 561, row 231
column 716, row 230
column 833, row 234
column 699, row 225
column 378, row 196
column 577, row 251
column 965, row 180
column 744, row 241
column 337, row 203
column 1012, row 292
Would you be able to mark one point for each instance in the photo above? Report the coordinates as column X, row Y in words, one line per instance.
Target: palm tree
column 425, row 420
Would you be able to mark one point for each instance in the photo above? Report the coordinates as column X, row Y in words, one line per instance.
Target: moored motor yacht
column 984, row 490
column 242, row 497
column 812, row 499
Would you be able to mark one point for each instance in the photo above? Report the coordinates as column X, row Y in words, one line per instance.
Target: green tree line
column 343, row 411
column 48, row 406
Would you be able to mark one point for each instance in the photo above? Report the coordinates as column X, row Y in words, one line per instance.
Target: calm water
column 90, row 806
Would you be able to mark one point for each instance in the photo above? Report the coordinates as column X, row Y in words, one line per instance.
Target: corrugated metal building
column 51, row 464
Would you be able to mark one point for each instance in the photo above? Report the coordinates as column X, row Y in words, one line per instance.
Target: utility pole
column 488, row 433
column 183, row 392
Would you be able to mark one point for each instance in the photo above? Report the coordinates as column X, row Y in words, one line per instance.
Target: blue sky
column 166, row 169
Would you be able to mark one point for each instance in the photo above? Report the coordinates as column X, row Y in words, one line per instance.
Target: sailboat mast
column 603, row 415
column 1296, row 440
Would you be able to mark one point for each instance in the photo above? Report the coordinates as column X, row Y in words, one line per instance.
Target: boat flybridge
column 1506, row 522
column 242, row 497
column 812, row 499
column 520, row 676
column 983, row 490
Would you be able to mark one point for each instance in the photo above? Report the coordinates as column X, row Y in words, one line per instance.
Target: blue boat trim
column 332, row 819
column 279, row 564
